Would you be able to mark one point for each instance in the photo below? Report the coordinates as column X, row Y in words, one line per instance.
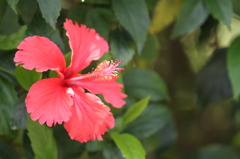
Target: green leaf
column 6, row 61
column 130, row 146
column 19, row 114
column 9, row 23
column 9, row 42
column 150, row 51
column 133, row 15
column 221, row 10
column 94, row 146
column 233, row 66
column 135, row 110
column 192, row 14
column 67, row 148
column 39, row 27
column 42, row 140
column 154, row 118
column 164, row 14
column 50, row 10
column 215, row 152
column 26, row 9
column 8, row 98
column 140, row 83
column 13, row 4
column 112, row 152
column 122, row 46
column 27, row 77
column 94, row 20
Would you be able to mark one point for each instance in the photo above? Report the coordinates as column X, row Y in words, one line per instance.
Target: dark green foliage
column 173, row 110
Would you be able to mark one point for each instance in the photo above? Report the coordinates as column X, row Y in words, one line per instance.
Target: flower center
column 106, row 70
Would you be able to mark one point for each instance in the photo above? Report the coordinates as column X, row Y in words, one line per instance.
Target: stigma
column 106, row 70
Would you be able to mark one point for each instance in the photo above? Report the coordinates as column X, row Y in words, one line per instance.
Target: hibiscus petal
column 49, row 101
column 90, row 117
column 110, row 89
column 86, row 46
column 40, row 53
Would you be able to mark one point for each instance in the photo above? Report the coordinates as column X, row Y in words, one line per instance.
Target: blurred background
column 182, row 78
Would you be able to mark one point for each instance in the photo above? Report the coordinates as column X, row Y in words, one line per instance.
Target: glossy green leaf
column 233, row 66
column 192, row 14
column 39, row 27
column 135, row 110
column 26, row 9
column 9, row 23
column 94, row 20
column 6, row 60
column 8, row 98
column 94, row 146
column 221, row 10
column 219, row 87
column 130, row 146
column 27, row 77
column 112, row 152
column 140, row 83
column 133, row 15
column 215, row 152
column 42, row 140
column 67, row 148
column 19, row 114
column 13, row 4
column 50, row 10
column 154, row 118
column 7, row 66
column 122, row 46
column 150, row 51
column 9, row 42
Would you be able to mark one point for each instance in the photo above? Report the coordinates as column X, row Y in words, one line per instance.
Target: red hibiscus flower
column 71, row 98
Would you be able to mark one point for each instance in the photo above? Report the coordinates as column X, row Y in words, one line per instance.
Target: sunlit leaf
column 233, row 66
column 135, row 110
column 164, row 14
column 130, row 146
